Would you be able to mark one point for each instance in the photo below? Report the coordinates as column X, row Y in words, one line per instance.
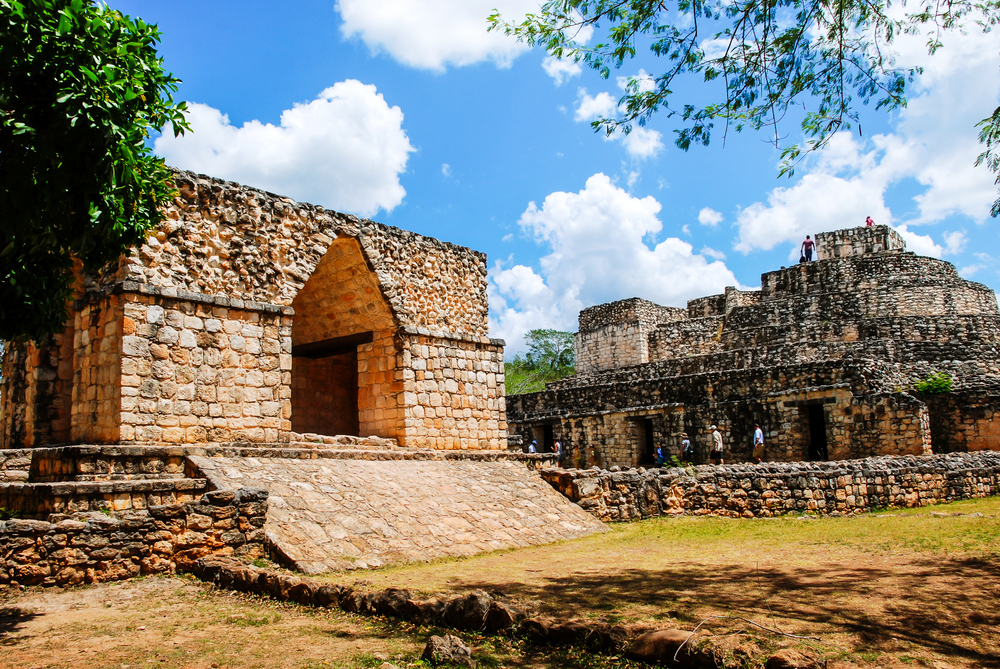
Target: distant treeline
column 550, row 357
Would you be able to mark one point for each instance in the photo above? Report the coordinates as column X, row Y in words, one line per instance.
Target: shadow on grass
column 945, row 606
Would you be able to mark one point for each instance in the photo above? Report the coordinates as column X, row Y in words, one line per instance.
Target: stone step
column 311, row 440
column 38, row 500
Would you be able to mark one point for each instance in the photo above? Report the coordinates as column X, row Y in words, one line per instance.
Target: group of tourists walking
column 717, row 453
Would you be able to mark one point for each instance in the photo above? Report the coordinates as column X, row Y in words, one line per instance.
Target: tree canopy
column 550, row 357
column 81, row 87
column 828, row 56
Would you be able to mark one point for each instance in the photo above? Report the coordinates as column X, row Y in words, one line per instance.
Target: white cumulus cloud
column 641, row 142
column 560, row 69
column 590, row 108
column 710, row 217
column 596, row 254
column 432, row 34
column 344, row 150
column 954, row 242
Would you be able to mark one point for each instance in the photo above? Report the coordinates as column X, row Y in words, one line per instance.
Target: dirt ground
column 898, row 589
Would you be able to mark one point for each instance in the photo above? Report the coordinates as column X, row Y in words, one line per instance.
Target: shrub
column 935, row 382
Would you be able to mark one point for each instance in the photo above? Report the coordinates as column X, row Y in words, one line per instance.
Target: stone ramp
column 339, row 514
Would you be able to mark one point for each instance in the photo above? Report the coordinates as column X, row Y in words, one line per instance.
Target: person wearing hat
column 717, row 446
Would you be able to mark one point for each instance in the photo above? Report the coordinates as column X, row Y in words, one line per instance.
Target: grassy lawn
column 910, row 588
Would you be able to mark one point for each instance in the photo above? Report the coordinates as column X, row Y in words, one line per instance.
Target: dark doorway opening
column 325, row 394
column 647, row 453
column 544, row 437
column 817, row 432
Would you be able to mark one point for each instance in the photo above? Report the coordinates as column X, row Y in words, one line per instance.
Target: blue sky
column 408, row 112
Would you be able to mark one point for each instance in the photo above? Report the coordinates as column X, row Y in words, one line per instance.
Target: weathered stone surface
column 448, row 649
column 93, row 546
column 468, row 612
column 392, row 601
column 824, row 356
column 749, row 491
column 672, row 648
column 329, row 514
column 425, row 611
column 501, row 616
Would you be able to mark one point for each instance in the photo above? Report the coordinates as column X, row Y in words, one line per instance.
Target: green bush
column 935, row 382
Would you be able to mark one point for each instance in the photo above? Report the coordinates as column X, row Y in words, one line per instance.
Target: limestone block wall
column 711, row 305
column 861, row 414
column 36, row 400
column 683, row 339
column 97, row 363
column 964, row 421
column 612, row 346
column 197, row 369
column 452, row 391
column 342, row 297
column 616, row 334
column 192, row 337
column 857, row 241
column 379, row 387
column 747, row 491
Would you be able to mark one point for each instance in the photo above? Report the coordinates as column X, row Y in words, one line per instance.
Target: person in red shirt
column 807, row 248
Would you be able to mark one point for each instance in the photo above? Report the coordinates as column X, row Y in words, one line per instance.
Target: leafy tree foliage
column 80, row 88
column 550, row 357
column 769, row 55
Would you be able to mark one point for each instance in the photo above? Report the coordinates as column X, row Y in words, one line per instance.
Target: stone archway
column 342, row 353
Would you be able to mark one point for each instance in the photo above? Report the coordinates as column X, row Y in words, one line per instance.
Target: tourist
column 717, row 446
column 758, row 443
column 807, row 249
column 533, row 446
column 557, row 449
column 660, row 458
column 869, row 222
column 687, row 453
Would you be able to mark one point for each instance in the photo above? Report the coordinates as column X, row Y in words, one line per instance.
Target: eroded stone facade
column 825, row 356
column 241, row 319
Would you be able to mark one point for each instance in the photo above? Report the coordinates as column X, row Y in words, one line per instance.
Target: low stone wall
column 827, row 488
column 92, row 546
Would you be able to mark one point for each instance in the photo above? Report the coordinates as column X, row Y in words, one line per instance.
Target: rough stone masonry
column 246, row 316
column 825, row 356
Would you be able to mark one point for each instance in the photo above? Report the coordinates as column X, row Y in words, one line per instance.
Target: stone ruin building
column 825, row 356
column 266, row 377
column 248, row 317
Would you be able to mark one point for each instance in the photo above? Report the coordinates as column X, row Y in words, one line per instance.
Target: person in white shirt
column 717, row 446
column 758, row 444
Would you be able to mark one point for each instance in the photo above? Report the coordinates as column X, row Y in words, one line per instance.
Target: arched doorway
column 341, row 364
